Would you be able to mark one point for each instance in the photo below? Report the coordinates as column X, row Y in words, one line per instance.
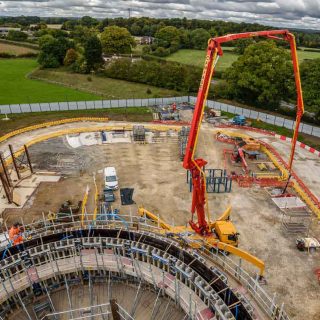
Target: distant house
column 146, row 40
column 5, row 30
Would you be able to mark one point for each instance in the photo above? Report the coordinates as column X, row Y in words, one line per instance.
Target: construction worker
column 15, row 234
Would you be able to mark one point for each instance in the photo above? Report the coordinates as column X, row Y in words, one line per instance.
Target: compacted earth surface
column 160, row 185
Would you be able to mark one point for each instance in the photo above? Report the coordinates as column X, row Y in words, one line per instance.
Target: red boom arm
column 196, row 165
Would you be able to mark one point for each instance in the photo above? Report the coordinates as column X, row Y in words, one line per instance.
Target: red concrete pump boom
column 196, row 166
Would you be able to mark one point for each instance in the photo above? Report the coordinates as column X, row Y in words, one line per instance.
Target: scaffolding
column 61, row 255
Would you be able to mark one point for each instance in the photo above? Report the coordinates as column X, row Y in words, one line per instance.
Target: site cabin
column 110, row 178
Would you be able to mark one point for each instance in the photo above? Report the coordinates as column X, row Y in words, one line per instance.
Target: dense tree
column 70, row 58
column 70, row 24
column 93, row 53
column 16, row 35
column 199, row 38
column 263, row 75
column 168, row 37
column 310, row 77
column 150, row 26
column 80, row 34
column 136, row 30
column 88, row 21
column 117, row 40
column 169, row 75
column 53, row 51
column 241, row 44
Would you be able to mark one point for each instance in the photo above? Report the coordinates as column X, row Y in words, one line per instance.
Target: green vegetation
column 53, row 50
column 261, row 76
column 310, row 75
column 197, row 57
column 16, row 88
column 18, row 121
column 92, row 54
column 102, row 86
column 308, row 55
column 15, row 35
column 162, row 74
column 117, row 40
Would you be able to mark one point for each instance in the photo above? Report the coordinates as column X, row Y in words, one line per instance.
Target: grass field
column 197, row 57
column 303, row 55
column 15, row 50
column 106, row 87
column 16, row 88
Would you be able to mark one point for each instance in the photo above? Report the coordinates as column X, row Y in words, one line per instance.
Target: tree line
column 146, row 26
column 262, row 76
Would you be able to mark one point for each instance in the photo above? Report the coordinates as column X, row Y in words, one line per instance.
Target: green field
column 106, row 87
column 15, row 87
column 197, row 57
column 304, row 55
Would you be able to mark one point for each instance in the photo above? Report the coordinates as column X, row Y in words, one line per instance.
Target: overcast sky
column 282, row 13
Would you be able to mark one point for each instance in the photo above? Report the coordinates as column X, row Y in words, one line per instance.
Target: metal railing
column 126, row 103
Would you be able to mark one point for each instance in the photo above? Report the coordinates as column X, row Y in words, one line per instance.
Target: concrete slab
column 24, row 190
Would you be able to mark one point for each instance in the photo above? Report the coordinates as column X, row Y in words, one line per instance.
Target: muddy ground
column 159, row 181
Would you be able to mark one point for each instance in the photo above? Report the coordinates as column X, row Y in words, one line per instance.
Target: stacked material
column 183, row 140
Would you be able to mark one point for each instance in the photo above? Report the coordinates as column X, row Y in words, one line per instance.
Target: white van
column 110, row 178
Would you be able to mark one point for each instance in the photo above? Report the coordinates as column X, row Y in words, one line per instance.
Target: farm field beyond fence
column 15, row 50
column 197, row 57
column 15, row 87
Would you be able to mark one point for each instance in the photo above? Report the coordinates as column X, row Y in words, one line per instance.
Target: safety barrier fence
column 234, row 268
column 124, row 103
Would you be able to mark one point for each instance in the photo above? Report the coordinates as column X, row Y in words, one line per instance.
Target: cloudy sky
column 282, row 13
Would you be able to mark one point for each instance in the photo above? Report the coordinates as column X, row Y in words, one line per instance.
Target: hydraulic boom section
column 196, row 166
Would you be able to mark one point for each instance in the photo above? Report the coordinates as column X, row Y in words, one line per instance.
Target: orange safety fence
column 247, row 128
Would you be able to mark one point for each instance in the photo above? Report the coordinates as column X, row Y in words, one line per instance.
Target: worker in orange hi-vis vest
column 15, row 234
